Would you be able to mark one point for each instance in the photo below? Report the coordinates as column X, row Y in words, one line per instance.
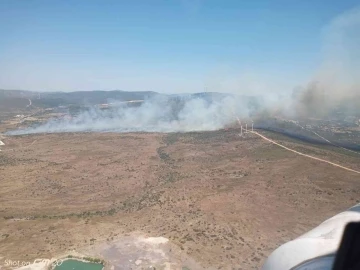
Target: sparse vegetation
column 204, row 191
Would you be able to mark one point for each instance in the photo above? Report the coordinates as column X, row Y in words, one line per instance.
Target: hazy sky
column 163, row 45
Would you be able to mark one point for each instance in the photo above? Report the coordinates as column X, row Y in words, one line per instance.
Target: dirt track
column 223, row 200
column 308, row 156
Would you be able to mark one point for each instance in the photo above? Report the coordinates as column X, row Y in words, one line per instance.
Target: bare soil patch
column 223, row 200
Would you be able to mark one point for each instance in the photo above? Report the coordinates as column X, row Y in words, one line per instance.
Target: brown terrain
column 222, row 200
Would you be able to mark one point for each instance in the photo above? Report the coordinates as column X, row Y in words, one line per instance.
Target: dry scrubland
column 224, row 200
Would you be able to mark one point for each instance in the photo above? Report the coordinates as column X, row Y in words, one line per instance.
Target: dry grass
column 226, row 201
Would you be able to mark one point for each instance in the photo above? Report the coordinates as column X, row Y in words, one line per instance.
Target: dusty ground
column 222, row 200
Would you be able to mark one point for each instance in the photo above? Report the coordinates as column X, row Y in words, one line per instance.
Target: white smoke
column 337, row 82
column 160, row 114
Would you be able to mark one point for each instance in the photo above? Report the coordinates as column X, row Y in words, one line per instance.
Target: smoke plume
column 337, row 82
column 335, row 86
column 157, row 114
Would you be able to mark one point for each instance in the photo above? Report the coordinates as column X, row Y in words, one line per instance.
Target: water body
column 79, row 265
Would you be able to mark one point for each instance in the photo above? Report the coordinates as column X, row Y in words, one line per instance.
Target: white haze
column 158, row 114
column 336, row 81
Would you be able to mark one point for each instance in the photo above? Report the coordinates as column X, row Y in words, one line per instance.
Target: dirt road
column 305, row 155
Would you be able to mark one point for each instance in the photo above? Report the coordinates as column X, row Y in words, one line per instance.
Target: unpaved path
column 297, row 152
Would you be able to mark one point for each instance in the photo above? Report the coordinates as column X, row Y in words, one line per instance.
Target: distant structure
column 103, row 106
column 245, row 128
column 1, row 143
column 133, row 101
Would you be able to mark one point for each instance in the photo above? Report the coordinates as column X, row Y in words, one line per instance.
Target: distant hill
column 53, row 99
column 77, row 100
column 96, row 97
column 16, row 94
column 8, row 104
